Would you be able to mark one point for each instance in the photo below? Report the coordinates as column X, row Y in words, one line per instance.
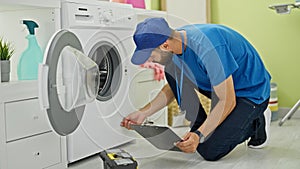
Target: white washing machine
column 87, row 97
column 105, row 31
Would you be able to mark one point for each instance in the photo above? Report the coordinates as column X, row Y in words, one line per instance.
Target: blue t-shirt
column 214, row 52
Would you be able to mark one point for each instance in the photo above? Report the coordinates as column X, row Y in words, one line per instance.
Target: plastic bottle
column 32, row 56
column 273, row 102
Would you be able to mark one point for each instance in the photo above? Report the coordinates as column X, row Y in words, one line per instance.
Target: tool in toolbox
column 118, row 159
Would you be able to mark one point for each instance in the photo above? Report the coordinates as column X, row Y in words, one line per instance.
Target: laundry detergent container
column 273, row 102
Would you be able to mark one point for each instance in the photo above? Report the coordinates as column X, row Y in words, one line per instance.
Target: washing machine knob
column 107, row 16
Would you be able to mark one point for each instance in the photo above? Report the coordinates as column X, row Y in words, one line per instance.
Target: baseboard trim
column 282, row 111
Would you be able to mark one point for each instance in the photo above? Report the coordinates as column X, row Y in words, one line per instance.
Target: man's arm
column 163, row 98
column 227, row 101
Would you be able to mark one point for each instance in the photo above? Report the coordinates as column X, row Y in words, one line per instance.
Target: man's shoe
column 261, row 139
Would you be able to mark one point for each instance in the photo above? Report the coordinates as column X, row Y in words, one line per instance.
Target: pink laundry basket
column 136, row 3
column 120, row 1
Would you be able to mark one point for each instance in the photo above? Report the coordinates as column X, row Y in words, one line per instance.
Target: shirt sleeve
column 219, row 63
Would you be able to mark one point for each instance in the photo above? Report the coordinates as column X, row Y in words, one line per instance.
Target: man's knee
column 210, row 157
column 210, row 154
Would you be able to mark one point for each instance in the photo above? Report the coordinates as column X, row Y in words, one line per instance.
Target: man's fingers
column 127, row 123
column 185, row 143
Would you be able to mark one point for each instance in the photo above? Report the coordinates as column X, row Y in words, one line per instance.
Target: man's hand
column 190, row 143
column 137, row 117
column 159, row 73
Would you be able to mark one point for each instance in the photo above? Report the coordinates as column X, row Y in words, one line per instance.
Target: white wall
column 12, row 30
column 182, row 12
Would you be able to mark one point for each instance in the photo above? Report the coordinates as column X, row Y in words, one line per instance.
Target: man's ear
column 164, row 46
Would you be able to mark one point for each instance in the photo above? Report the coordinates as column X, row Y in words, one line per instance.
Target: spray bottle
column 32, row 56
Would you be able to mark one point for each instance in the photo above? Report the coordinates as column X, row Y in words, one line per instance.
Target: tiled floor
column 283, row 152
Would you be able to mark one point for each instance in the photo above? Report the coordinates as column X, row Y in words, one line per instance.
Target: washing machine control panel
column 99, row 14
column 105, row 16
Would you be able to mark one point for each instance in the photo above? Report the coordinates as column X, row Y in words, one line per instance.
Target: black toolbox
column 117, row 159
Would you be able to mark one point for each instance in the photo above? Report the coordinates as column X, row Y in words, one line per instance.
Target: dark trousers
column 243, row 122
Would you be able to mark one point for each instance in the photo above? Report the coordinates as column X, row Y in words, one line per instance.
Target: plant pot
column 5, row 70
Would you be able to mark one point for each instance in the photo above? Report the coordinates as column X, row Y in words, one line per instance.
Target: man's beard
column 166, row 57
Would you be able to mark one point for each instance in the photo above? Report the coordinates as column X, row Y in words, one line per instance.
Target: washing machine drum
column 68, row 80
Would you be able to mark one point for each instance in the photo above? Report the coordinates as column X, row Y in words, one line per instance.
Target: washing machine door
column 68, row 80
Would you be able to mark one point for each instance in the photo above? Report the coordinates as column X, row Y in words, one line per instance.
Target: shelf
column 9, row 5
column 151, row 13
column 14, row 90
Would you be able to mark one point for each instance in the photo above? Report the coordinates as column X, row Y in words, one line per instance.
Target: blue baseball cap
column 148, row 35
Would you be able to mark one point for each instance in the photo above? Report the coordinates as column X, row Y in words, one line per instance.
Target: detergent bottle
column 32, row 56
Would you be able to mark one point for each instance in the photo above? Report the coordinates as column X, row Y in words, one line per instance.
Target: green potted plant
column 6, row 52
